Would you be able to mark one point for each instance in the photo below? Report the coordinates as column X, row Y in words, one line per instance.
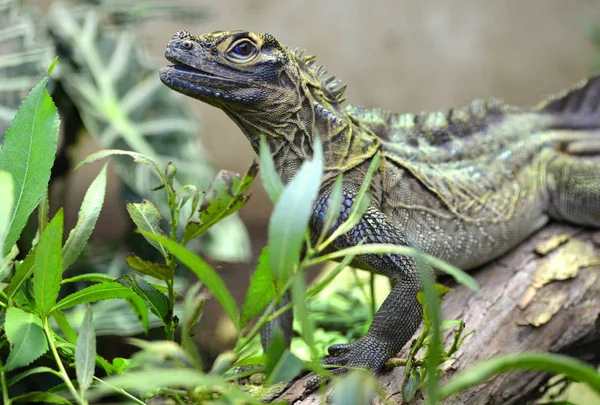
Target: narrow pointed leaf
column 147, row 218
column 41, row 397
column 48, row 266
column 260, row 292
column 204, row 272
column 94, row 293
column 159, row 271
column 86, row 220
column 85, row 352
column 64, row 326
column 270, row 178
column 26, row 337
column 28, row 154
column 24, row 271
column 289, row 221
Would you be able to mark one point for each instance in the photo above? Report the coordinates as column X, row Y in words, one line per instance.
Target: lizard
column 465, row 184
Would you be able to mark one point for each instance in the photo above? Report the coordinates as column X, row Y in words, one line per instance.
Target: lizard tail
column 577, row 107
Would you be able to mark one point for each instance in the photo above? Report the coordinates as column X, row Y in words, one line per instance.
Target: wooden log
column 514, row 313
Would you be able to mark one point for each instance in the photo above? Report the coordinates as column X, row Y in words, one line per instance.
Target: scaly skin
column 465, row 185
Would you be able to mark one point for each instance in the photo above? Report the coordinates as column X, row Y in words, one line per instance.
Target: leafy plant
column 34, row 302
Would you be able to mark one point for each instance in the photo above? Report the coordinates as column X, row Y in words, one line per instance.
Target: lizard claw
column 363, row 353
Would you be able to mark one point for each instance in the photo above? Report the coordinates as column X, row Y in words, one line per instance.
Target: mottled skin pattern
column 465, row 185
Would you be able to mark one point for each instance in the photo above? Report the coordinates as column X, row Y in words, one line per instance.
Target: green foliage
column 28, row 154
column 34, row 298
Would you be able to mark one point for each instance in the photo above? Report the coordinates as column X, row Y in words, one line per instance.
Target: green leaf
column 65, row 326
column 573, row 369
column 94, row 293
column 333, row 206
column 86, row 220
column 147, row 218
column 85, row 352
column 301, row 311
column 358, row 388
column 28, row 154
column 157, row 301
column 289, row 220
column 193, row 305
column 51, row 67
column 26, row 336
column 22, row 274
column 260, row 291
column 286, row 368
column 204, row 272
column 140, row 310
column 159, row 271
column 48, row 265
column 270, row 178
column 89, row 278
column 275, row 351
column 225, row 195
column 6, row 205
column 28, row 372
column 411, row 385
column 137, row 157
column 40, row 396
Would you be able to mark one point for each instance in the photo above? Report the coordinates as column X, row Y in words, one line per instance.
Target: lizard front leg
column 400, row 315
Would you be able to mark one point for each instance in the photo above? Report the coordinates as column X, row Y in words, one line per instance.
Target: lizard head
column 245, row 74
column 271, row 90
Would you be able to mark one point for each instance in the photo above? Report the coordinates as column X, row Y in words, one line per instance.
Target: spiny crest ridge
column 332, row 88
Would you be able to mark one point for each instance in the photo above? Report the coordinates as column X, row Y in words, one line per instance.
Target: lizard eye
column 187, row 44
column 243, row 50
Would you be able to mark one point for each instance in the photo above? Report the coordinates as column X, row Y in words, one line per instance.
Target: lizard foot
column 363, row 353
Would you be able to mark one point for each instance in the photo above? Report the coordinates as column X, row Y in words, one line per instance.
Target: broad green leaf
column 22, row 274
column 64, row 326
column 85, row 352
column 6, row 206
column 86, row 220
column 289, row 220
column 204, row 272
column 147, row 218
column 157, row 301
column 270, row 179
column 43, row 397
column 225, row 195
column 286, row 368
column 94, row 293
column 159, row 271
column 28, row 154
column 26, row 337
column 260, row 291
column 573, row 369
column 48, row 265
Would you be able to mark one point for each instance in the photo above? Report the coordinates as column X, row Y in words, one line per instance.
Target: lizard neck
column 290, row 138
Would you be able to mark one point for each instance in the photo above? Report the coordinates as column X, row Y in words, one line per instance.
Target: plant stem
column 63, row 372
column 5, row 396
column 120, row 391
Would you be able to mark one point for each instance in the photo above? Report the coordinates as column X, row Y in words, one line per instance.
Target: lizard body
column 465, row 184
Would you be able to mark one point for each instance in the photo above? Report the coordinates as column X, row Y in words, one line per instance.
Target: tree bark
column 560, row 317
